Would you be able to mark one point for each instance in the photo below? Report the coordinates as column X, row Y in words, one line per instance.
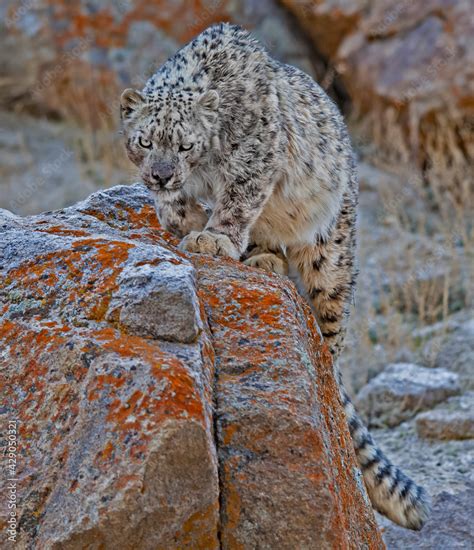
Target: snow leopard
column 224, row 124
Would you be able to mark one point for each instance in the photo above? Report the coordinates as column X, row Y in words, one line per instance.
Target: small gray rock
column 453, row 420
column 402, row 390
column 158, row 301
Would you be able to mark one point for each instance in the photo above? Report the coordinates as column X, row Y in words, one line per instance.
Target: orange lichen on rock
column 61, row 230
column 165, row 401
column 99, row 407
column 110, row 31
column 282, row 434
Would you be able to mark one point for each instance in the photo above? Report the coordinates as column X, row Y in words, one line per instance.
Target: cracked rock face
column 165, row 401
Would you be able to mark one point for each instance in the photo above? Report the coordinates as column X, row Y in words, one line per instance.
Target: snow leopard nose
column 162, row 171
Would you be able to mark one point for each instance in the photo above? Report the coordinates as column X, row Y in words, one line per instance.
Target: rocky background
column 403, row 74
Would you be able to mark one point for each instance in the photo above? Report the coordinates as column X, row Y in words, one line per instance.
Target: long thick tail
column 327, row 276
column 391, row 492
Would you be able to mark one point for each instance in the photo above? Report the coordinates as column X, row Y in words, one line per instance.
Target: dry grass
column 94, row 105
column 437, row 143
column 420, row 258
column 89, row 99
column 444, row 225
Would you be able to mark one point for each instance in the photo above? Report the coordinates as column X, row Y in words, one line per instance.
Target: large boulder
column 408, row 69
column 108, row 377
column 165, row 401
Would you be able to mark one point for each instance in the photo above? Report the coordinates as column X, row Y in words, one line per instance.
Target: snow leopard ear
column 130, row 101
column 209, row 102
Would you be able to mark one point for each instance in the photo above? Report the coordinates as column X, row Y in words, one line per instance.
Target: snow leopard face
column 168, row 135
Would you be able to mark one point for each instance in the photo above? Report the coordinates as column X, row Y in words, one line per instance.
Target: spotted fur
column 223, row 123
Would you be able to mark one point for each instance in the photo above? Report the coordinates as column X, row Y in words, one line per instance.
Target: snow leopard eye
column 145, row 143
column 186, row 147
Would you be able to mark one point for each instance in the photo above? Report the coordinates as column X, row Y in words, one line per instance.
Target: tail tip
column 419, row 511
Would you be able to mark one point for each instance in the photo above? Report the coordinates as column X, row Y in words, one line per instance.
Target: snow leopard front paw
column 269, row 262
column 206, row 242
